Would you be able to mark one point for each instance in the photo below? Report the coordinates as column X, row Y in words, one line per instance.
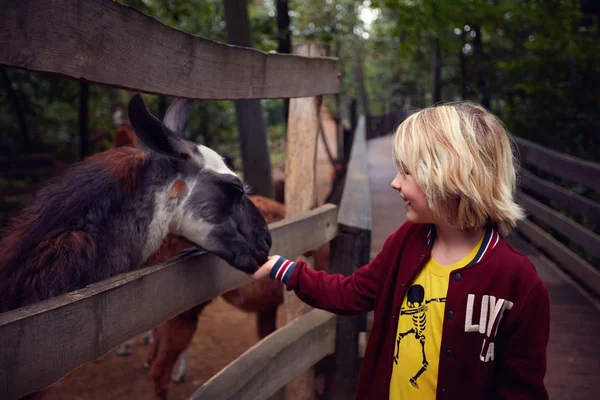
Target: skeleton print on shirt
column 417, row 309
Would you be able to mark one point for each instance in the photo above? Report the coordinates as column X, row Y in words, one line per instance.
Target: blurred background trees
column 535, row 63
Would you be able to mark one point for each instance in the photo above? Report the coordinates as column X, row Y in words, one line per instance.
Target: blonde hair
column 460, row 156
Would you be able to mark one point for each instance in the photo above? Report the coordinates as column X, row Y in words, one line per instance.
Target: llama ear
column 178, row 115
column 153, row 133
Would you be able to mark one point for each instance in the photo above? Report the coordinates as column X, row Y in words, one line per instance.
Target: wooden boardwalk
column 574, row 347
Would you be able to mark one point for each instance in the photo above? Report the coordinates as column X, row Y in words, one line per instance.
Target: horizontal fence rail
column 562, row 255
column 584, row 172
column 105, row 42
column 560, row 223
column 274, row 361
column 41, row 343
column 534, row 191
column 572, row 201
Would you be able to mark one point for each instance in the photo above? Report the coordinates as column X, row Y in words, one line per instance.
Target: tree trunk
column 284, row 41
column 436, row 96
column 251, row 126
column 84, row 142
column 18, row 110
column 463, row 67
column 482, row 83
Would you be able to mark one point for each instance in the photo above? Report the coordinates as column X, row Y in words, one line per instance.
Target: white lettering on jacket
column 491, row 313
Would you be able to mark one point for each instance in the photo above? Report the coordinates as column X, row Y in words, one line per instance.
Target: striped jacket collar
column 490, row 240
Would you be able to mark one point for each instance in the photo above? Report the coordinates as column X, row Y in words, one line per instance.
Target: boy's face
column 417, row 209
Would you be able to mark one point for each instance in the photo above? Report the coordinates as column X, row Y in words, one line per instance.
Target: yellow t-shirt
column 419, row 333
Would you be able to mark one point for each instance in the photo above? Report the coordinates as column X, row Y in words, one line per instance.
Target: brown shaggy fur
column 37, row 247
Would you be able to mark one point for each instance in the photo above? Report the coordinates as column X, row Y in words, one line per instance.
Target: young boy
column 459, row 313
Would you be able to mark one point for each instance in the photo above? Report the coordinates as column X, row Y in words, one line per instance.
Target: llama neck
column 85, row 227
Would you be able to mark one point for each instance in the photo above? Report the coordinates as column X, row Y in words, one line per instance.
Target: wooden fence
column 111, row 44
column 538, row 196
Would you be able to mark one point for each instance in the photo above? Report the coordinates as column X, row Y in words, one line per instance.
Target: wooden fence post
column 300, row 190
column 349, row 251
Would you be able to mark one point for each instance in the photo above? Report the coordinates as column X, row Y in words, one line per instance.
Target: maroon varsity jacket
column 496, row 324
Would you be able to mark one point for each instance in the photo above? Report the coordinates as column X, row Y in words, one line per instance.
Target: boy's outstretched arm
column 521, row 364
column 332, row 292
column 336, row 293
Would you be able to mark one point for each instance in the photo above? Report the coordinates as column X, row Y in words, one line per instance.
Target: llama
column 172, row 338
column 109, row 213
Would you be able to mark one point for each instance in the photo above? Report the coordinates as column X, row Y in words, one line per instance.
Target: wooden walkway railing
column 537, row 195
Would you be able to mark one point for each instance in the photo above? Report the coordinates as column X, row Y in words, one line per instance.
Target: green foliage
column 536, row 62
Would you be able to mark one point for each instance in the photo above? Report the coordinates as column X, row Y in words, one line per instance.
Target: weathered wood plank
column 578, row 204
column 355, row 208
column 105, row 42
column 274, row 361
column 564, row 257
column 301, row 192
column 301, row 154
column 350, row 250
column 565, row 166
column 575, row 232
column 41, row 343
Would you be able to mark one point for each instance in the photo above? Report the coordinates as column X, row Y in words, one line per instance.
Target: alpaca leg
column 179, row 374
column 126, row 349
column 267, row 322
column 175, row 336
column 160, row 372
column 154, row 345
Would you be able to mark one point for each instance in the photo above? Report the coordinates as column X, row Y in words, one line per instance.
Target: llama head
column 207, row 202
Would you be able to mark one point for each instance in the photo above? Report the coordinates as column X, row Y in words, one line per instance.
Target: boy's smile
column 415, row 201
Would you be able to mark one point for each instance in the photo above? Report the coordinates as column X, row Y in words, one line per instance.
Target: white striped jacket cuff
column 282, row 270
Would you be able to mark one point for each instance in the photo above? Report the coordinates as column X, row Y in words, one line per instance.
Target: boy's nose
column 396, row 183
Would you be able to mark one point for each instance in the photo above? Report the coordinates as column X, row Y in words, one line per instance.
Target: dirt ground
column 224, row 332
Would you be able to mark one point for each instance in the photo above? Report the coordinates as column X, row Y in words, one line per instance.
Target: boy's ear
column 153, row 133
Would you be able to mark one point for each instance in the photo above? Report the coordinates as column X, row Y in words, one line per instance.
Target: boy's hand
column 264, row 270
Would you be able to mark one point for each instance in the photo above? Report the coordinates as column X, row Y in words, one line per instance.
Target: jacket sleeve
column 521, row 363
column 339, row 294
